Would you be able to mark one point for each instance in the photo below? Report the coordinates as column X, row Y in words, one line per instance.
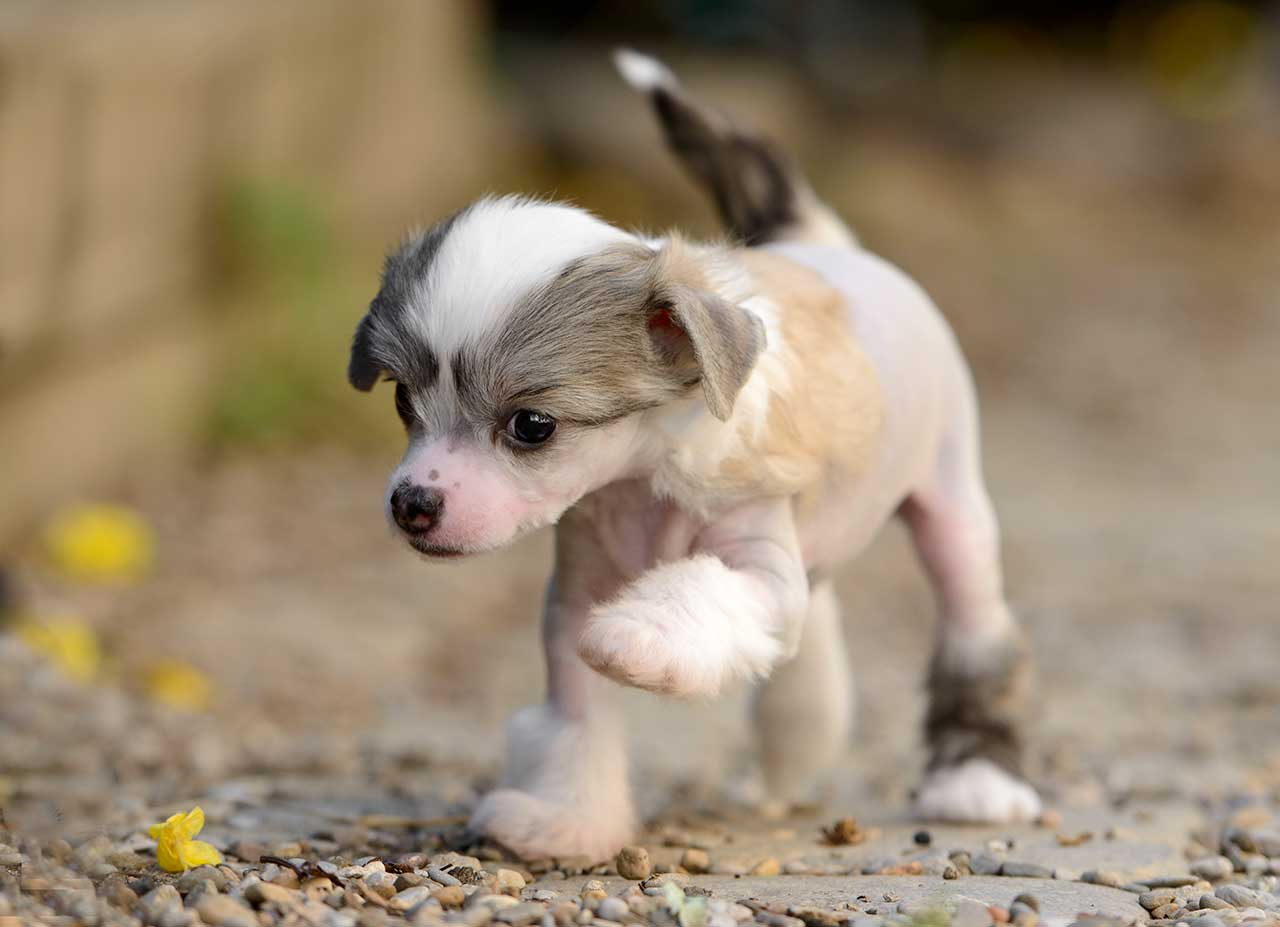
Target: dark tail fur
column 760, row 194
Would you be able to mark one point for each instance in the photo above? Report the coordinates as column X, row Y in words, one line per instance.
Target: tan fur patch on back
column 825, row 408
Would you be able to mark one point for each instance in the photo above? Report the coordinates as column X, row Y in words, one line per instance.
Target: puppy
column 712, row 429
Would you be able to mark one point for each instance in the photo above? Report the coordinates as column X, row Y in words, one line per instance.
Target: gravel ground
column 1124, row 341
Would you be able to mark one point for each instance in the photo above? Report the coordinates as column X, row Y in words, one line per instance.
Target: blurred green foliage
column 293, row 298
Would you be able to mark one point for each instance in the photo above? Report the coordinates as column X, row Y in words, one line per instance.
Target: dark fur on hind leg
column 980, row 714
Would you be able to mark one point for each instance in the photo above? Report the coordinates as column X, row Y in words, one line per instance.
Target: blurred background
column 194, row 203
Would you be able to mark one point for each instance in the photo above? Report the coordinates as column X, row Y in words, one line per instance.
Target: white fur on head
column 496, row 252
column 686, row 628
column 642, row 71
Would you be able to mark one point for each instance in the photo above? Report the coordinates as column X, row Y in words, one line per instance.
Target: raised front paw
column 535, row 828
column 685, row 629
column 976, row 791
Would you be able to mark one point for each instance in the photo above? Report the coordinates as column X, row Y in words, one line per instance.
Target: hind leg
column 804, row 711
column 980, row 678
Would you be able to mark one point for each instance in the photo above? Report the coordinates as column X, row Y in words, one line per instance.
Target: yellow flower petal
column 192, row 824
column 179, row 685
column 100, row 543
column 67, row 642
column 194, row 853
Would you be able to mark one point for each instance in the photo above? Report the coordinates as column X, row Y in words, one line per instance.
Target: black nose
column 416, row 509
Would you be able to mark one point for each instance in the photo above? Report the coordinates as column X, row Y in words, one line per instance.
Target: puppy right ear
column 363, row 370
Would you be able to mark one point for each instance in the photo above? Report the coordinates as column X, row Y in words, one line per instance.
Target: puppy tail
column 760, row 194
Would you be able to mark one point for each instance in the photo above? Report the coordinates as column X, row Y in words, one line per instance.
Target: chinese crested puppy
column 712, row 429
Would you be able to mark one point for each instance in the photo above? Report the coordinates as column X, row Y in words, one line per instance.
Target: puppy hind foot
column 534, row 828
column 976, row 791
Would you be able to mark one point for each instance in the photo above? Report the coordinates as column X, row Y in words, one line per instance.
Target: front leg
column 565, row 792
column 728, row 611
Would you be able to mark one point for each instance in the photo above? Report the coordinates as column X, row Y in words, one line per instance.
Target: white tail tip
column 641, row 71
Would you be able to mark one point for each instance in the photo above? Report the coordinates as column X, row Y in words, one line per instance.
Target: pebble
column 508, row 882
column 382, row 883
column 1239, row 896
column 695, row 860
column 1026, row 870
column 409, row 898
column 1166, row 911
column 1212, row 868
column 223, row 911
column 260, row 893
column 922, row 838
column 521, row 913
column 1136, row 888
column 985, row 864
column 613, row 909
column 1102, row 877
column 633, row 863
column 193, row 877
column 766, row 867
column 970, row 914
column 450, row 896
column 439, row 875
column 1172, row 881
column 1211, row 902
column 155, row 902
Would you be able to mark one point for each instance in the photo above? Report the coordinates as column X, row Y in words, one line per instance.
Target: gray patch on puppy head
column 580, row 348
column 385, row 342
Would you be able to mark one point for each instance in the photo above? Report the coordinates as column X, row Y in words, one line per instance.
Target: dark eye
column 529, row 427
column 404, row 408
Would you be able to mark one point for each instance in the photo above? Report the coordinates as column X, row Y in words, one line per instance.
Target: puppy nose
column 416, row 509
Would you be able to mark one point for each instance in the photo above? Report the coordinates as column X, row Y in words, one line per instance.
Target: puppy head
column 525, row 340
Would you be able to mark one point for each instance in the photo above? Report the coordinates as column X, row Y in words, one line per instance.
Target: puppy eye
column 530, row 427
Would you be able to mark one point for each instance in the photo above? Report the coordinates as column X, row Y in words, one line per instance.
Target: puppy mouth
column 423, row 546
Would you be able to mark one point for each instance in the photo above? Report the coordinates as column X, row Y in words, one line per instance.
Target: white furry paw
column 534, row 828
column 976, row 791
column 685, row 629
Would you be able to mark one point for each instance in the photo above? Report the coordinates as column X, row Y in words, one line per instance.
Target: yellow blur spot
column 179, row 685
column 1196, row 53
column 101, row 543
column 69, row 643
column 176, row 851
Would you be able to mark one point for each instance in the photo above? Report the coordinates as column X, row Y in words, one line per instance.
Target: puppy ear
column 363, row 370
column 709, row 339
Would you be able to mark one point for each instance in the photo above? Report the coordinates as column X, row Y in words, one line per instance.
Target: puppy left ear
column 363, row 371
column 725, row 340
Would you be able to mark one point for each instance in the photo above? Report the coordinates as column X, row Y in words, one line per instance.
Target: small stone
column 439, row 875
column 382, row 883
column 155, row 902
column 1136, row 888
column 613, row 909
column 1102, row 877
column 1156, row 897
column 1238, row 896
column 1031, row 901
column 766, row 867
column 450, row 896
column 115, row 889
column 1023, row 916
column 521, row 913
column 770, row 919
column 695, row 861
column 223, row 911
column 998, row 914
column 797, row 867
column 970, row 913
column 922, row 838
column 509, row 882
column 633, row 863
column 1166, row 911
column 247, row 850
column 1063, row 874
column 1026, row 870
column 1171, row 881
column 193, row 877
column 1212, row 868
column 260, row 893
column 1211, row 902
column 985, row 864
column 1049, row 819
column 409, row 898
column 317, row 888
